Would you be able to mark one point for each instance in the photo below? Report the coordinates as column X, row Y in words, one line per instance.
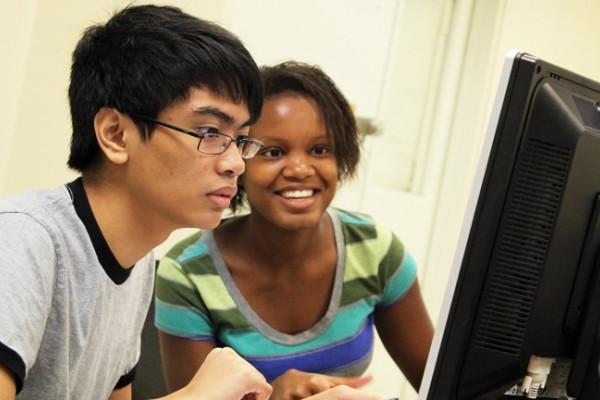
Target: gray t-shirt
column 70, row 316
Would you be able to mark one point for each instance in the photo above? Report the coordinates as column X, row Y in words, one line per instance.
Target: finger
column 344, row 392
column 257, row 386
column 318, row 383
column 353, row 381
column 303, row 392
column 263, row 391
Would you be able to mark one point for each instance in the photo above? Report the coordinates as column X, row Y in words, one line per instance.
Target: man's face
column 175, row 184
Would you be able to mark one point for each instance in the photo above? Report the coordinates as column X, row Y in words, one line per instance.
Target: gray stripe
column 255, row 320
column 355, row 369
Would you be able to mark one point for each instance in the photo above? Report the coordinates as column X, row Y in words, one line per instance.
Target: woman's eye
column 272, row 152
column 320, row 150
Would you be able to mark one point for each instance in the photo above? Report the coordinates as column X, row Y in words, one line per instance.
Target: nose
column 231, row 162
column 298, row 167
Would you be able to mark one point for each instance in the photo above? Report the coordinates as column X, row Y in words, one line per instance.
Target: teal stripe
column 180, row 321
column 401, row 281
column 355, row 219
column 195, row 250
column 181, row 246
column 346, row 323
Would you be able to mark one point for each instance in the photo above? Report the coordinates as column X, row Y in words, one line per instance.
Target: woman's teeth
column 297, row 194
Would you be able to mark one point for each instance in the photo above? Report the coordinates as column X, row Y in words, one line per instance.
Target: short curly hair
column 310, row 81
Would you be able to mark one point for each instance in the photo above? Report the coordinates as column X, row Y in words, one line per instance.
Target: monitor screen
column 521, row 312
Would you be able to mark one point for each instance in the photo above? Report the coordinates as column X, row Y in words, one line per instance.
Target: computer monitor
column 523, row 303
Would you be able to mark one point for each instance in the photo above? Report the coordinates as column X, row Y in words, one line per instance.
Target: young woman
column 295, row 286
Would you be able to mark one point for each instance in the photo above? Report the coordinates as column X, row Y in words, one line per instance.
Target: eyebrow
column 218, row 113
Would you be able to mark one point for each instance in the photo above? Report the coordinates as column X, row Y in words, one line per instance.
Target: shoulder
column 26, row 229
column 360, row 229
column 36, row 201
column 34, row 212
column 191, row 255
column 180, row 250
column 371, row 248
column 28, row 251
column 33, row 227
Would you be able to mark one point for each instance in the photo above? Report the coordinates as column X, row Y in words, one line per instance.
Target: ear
column 112, row 130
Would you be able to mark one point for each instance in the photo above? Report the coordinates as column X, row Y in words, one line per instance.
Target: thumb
column 354, row 381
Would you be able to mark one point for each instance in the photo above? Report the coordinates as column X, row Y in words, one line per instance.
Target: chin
column 207, row 221
column 300, row 222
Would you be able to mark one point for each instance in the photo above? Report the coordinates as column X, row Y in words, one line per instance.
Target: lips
column 222, row 197
column 227, row 191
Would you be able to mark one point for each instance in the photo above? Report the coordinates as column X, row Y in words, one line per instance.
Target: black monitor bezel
column 522, row 75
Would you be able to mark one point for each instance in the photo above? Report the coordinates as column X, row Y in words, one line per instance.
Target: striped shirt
column 197, row 299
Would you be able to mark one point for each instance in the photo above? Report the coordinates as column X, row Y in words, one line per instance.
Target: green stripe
column 360, row 288
column 176, row 294
column 202, row 265
column 173, row 287
column 229, row 319
column 392, row 260
column 169, row 269
column 364, row 257
column 358, row 233
column 213, row 291
column 399, row 283
column 181, row 246
column 356, row 227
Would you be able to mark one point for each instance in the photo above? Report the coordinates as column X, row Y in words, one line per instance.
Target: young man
column 76, row 275
column 160, row 103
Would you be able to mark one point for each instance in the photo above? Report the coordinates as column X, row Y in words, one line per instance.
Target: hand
column 294, row 384
column 224, row 375
column 343, row 392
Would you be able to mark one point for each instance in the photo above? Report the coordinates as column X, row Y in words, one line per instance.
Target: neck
column 274, row 246
column 129, row 233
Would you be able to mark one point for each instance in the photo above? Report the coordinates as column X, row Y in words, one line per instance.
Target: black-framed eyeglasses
column 211, row 141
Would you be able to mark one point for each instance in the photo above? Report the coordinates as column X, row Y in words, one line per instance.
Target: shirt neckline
column 107, row 260
column 255, row 320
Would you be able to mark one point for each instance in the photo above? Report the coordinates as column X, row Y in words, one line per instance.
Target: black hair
column 144, row 59
column 340, row 123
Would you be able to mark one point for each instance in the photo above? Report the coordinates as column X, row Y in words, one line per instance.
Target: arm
column 406, row 332
column 294, row 384
column 123, row 393
column 224, row 375
column 181, row 358
column 8, row 388
column 343, row 392
column 27, row 272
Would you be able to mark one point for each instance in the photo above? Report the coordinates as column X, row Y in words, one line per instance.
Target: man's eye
column 208, row 132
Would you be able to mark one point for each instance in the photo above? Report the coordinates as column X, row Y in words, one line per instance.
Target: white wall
column 15, row 39
column 559, row 32
column 39, row 36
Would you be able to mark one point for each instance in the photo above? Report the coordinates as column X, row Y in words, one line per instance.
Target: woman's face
column 293, row 179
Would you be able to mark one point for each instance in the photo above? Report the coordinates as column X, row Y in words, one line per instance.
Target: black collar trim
column 109, row 263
